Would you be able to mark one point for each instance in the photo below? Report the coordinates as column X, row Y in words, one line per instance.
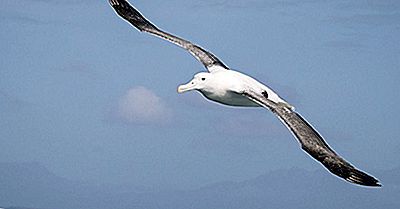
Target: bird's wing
column 130, row 14
column 312, row 142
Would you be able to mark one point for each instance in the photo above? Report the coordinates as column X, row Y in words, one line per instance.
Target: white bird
column 229, row 87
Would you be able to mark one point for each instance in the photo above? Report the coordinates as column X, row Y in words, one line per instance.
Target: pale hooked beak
column 186, row 87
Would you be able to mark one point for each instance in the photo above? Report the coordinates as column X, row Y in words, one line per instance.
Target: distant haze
column 30, row 184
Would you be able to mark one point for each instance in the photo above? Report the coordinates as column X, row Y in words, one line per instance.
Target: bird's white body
column 226, row 87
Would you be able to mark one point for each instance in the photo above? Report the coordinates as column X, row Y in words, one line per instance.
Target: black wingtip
column 130, row 14
column 361, row 178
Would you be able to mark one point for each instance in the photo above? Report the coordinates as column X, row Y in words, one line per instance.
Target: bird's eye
column 203, row 79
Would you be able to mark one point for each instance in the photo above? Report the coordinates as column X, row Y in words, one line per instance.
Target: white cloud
column 141, row 105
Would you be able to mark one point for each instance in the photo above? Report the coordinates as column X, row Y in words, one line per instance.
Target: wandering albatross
column 224, row 85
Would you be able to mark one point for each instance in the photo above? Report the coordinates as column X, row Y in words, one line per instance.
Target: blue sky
column 91, row 98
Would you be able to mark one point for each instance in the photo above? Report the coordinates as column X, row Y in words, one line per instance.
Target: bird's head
column 199, row 82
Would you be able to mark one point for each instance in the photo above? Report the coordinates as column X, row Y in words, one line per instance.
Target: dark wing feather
column 130, row 14
column 313, row 143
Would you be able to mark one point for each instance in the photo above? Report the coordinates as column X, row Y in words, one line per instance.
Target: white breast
column 230, row 98
column 226, row 86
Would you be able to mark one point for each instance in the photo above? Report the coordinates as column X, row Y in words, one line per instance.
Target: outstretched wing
column 130, row 14
column 313, row 143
